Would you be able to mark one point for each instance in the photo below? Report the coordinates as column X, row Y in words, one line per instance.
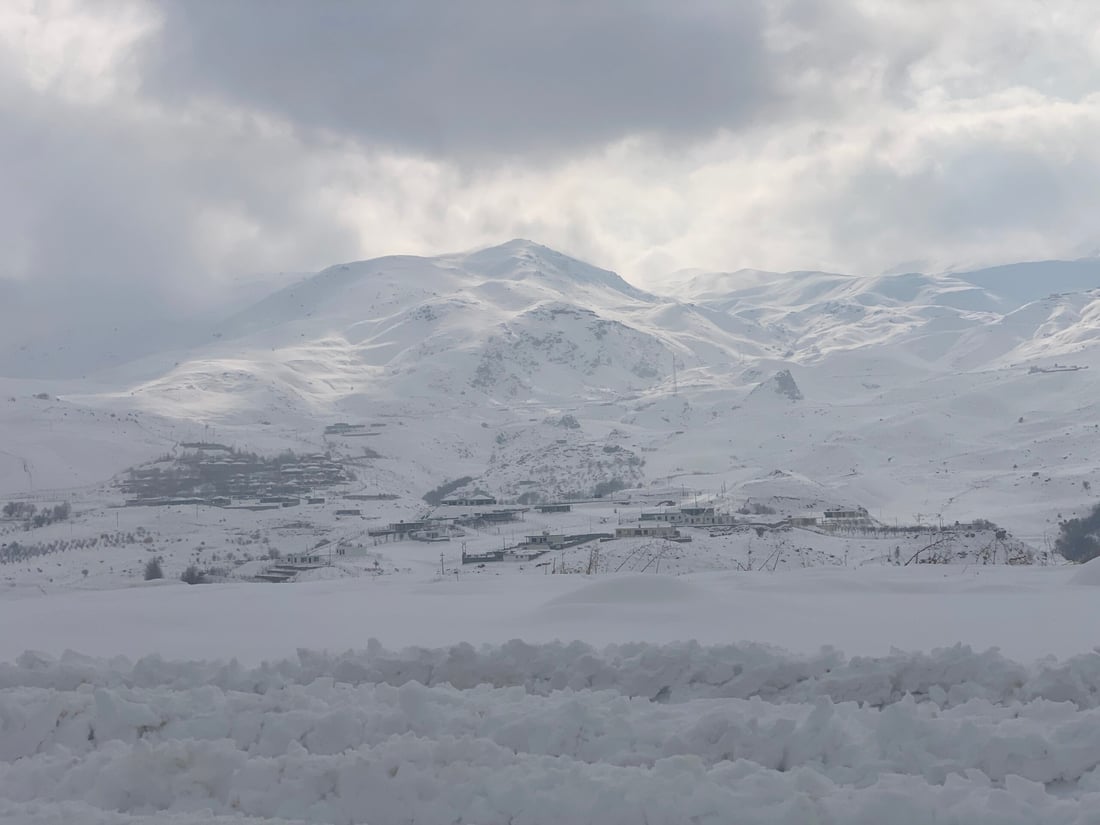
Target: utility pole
column 442, row 571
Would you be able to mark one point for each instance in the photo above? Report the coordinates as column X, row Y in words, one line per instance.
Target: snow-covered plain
column 1027, row 612
column 760, row 674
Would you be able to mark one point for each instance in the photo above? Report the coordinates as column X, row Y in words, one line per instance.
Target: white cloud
column 848, row 135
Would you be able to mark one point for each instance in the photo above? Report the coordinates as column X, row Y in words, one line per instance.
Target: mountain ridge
column 917, row 392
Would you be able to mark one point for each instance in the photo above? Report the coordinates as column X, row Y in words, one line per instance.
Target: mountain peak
column 522, row 259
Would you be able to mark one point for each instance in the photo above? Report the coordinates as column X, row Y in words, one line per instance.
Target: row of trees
column 155, row 570
column 33, row 517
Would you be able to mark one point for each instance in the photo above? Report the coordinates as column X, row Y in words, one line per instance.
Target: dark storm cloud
column 94, row 199
column 107, row 215
column 472, row 78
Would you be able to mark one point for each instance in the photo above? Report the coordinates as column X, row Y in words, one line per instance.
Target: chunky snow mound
column 552, row 734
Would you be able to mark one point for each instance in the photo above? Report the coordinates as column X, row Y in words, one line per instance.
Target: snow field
column 555, row 733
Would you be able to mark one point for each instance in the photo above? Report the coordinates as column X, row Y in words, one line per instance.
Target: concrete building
column 699, row 516
column 554, row 508
column 544, row 539
column 662, row 531
column 472, row 498
column 491, row 517
column 847, row 517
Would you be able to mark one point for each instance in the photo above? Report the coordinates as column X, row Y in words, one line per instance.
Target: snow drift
column 556, row 733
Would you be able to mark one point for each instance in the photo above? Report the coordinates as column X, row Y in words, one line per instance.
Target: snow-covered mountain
column 962, row 395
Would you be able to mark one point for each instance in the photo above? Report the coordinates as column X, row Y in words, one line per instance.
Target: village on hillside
column 209, row 512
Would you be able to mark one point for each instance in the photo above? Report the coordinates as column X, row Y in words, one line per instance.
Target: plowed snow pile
column 553, row 733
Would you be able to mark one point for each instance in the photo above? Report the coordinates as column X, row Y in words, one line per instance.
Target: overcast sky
column 160, row 146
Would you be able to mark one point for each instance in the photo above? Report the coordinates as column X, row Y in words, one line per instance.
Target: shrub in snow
column 607, row 488
column 1079, row 538
column 153, row 570
column 192, row 575
column 19, row 509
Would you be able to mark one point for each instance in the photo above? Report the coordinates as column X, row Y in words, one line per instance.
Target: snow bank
column 552, row 734
column 636, row 589
column 665, row 673
column 1089, row 574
